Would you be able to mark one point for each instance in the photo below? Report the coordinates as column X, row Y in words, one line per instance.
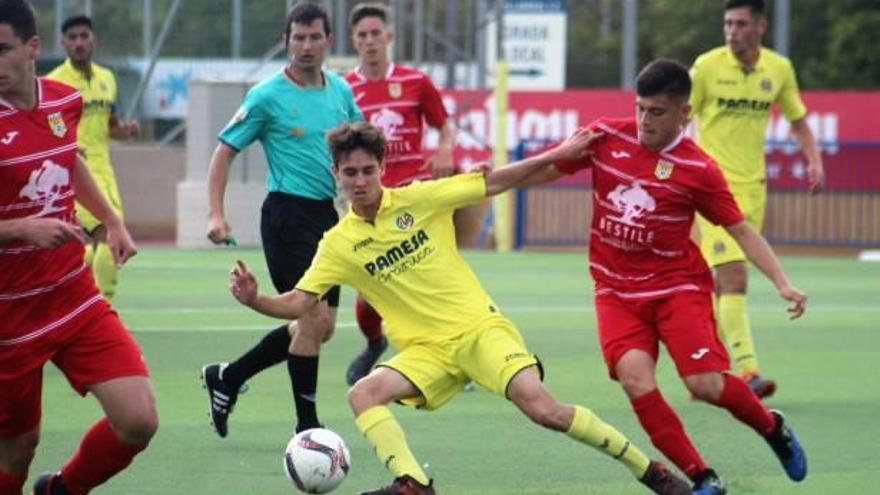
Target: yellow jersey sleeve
column 698, row 93
column 449, row 193
column 326, row 271
column 789, row 97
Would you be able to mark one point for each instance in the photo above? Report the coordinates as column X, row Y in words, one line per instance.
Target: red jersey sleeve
column 432, row 104
column 713, row 200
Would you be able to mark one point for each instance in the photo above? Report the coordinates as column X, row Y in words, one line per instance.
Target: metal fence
column 845, row 214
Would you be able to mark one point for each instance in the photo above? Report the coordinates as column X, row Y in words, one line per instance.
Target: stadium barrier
column 845, row 214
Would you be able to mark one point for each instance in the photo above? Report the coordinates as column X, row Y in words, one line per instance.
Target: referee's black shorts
column 291, row 227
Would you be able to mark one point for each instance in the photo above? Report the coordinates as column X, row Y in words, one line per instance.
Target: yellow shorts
column 106, row 182
column 490, row 356
column 716, row 244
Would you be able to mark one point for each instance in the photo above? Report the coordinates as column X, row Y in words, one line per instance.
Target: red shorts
column 684, row 322
column 91, row 348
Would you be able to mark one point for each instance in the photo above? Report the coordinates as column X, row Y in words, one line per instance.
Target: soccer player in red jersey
column 651, row 283
column 50, row 307
column 397, row 99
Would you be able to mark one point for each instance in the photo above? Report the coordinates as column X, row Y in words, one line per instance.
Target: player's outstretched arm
column 218, row 176
column 290, row 305
column 518, row 173
column 87, row 193
column 761, row 254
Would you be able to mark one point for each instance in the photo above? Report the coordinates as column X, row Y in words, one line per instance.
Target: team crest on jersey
column 103, row 87
column 719, row 247
column 766, row 85
column 664, row 169
column 405, row 221
column 56, row 123
column 297, row 132
column 395, row 90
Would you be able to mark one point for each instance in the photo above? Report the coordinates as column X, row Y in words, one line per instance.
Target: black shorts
column 291, row 227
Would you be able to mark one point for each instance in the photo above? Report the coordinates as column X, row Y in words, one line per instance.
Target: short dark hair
column 306, row 13
column 357, row 136
column 756, row 7
column 664, row 77
column 74, row 21
column 363, row 10
column 21, row 18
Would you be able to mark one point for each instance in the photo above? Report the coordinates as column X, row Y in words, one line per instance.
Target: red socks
column 10, row 484
column 368, row 320
column 100, row 455
column 745, row 406
column 667, row 432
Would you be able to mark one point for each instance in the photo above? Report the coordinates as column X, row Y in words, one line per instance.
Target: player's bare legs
column 732, row 284
column 369, row 399
column 16, row 454
column 635, row 371
column 530, row 395
column 112, row 442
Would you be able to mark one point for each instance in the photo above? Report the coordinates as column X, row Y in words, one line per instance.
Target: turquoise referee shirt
column 291, row 122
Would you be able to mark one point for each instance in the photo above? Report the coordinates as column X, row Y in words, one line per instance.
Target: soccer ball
column 316, row 460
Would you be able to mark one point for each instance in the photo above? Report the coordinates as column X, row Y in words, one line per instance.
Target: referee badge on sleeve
column 663, row 170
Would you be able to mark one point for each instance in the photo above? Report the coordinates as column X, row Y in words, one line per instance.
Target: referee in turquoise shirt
column 290, row 114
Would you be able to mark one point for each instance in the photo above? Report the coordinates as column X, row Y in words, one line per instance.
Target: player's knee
column 704, row 387
column 636, row 385
column 137, row 426
column 364, row 394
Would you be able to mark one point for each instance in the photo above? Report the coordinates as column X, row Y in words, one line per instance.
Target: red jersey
column 37, row 158
column 643, row 209
column 398, row 104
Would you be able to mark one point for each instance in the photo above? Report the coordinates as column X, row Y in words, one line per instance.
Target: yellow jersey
column 99, row 97
column 406, row 264
column 732, row 108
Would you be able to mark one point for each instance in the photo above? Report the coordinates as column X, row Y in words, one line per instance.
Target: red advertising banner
column 846, row 123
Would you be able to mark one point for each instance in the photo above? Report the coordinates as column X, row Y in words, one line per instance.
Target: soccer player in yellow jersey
column 98, row 124
column 397, row 248
column 734, row 88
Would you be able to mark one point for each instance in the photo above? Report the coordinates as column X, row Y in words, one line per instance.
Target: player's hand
column 797, row 297
column 481, row 167
column 51, row 232
column 218, row 229
column 441, row 164
column 576, row 146
column 242, row 284
column 815, row 176
column 121, row 245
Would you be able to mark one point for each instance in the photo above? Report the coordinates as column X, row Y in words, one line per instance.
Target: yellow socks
column 587, row 428
column 733, row 321
column 380, row 428
column 104, row 268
